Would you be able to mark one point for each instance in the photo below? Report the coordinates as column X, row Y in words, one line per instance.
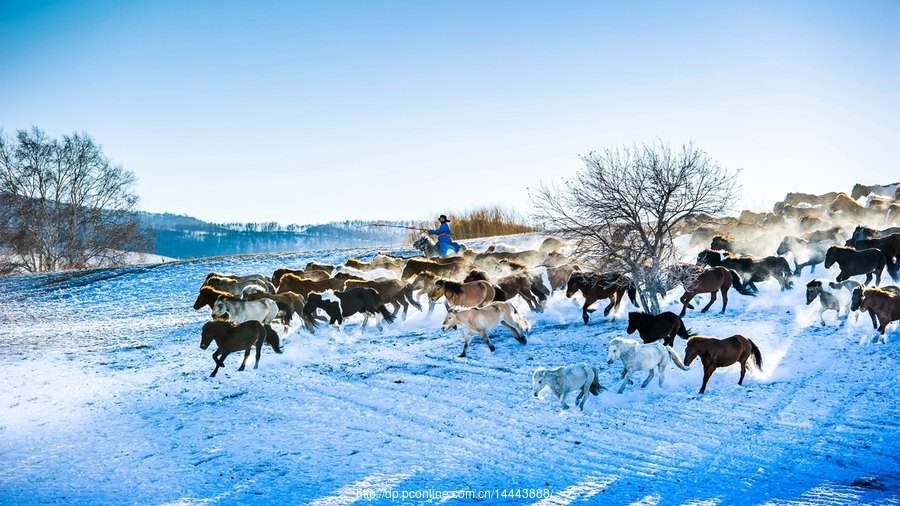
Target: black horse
column 663, row 326
column 231, row 337
column 856, row 263
column 340, row 305
column 752, row 269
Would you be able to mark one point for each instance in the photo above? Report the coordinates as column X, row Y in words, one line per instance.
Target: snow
column 105, row 397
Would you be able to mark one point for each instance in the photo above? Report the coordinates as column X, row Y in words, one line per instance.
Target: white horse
column 240, row 311
column 562, row 380
column 637, row 356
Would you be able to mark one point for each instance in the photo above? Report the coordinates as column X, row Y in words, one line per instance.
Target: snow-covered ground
column 105, row 398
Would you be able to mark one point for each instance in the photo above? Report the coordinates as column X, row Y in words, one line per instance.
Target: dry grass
column 484, row 222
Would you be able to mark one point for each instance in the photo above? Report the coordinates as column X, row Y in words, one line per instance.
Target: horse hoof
column 492, row 349
column 461, row 355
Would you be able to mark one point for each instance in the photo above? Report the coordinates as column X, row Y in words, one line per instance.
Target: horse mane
column 880, row 291
column 476, row 275
column 450, row 286
column 519, row 266
column 218, row 293
column 428, row 274
column 639, row 316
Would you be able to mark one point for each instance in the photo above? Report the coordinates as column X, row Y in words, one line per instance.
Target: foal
column 231, row 337
column 715, row 353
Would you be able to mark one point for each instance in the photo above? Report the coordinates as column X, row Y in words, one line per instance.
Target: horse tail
column 408, row 295
column 388, row 317
column 738, row 284
column 757, row 355
column 683, row 332
column 893, row 268
column 273, row 340
column 596, row 387
column 676, row 359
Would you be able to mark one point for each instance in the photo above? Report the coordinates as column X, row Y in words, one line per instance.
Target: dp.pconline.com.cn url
column 431, row 494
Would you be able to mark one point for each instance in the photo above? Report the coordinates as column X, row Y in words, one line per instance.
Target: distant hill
column 180, row 236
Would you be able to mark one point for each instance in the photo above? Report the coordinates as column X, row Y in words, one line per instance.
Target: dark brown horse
column 595, row 286
column 712, row 280
column 653, row 327
column 885, row 305
column 304, row 286
column 753, row 269
column 231, row 337
column 715, row 353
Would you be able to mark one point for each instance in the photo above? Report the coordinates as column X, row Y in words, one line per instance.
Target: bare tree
column 64, row 204
column 623, row 206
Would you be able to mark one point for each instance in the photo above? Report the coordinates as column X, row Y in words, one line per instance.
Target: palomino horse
column 885, row 305
column 637, row 356
column 231, row 337
column 595, row 286
column 482, row 320
column 471, row 294
column 856, row 263
column 715, row 353
column 710, row 281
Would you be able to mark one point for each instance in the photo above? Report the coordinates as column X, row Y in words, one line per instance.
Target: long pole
column 395, row 226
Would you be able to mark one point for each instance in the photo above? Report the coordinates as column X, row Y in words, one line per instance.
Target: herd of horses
column 476, row 289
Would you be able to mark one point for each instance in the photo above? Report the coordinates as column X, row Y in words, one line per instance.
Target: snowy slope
column 104, row 397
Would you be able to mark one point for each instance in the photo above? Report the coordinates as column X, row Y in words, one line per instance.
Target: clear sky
column 310, row 112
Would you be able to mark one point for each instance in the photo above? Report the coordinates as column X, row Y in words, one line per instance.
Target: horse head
column 451, row 321
column 813, row 288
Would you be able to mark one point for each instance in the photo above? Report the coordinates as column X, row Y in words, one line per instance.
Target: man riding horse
column 445, row 244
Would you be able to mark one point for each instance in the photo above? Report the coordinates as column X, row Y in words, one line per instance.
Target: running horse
column 595, row 286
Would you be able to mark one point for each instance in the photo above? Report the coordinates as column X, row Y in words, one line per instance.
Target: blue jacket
column 443, row 233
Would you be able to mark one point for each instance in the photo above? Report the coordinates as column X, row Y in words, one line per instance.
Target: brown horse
column 314, row 274
column 456, row 269
column 231, row 337
column 595, row 286
column 392, row 291
column 471, row 294
column 710, row 281
column 715, row 353
column 885, row 305
column 208, row 296
column 514, row 284
column 304, row 286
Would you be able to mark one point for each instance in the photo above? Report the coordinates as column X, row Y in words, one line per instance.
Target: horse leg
column 405, row 307
column 662, row 372
column 684, row 301
column 584, row 309
column 712, row 298
column 707, row 373
column 259, row 346
column 487, row 340
column 378, row 324
column 431, row 305
column 465, row 345
column 246, row 354
column 874, row 319
column 724, row 298
column 219, row 363
column 612, row 302
column 743, row 369
column 649, row 377
column 868, row 278
column 878, row 277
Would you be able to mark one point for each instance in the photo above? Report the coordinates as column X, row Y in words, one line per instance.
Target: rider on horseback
column 445, row 244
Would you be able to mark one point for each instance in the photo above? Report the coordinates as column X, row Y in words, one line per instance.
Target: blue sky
column 309, row 112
